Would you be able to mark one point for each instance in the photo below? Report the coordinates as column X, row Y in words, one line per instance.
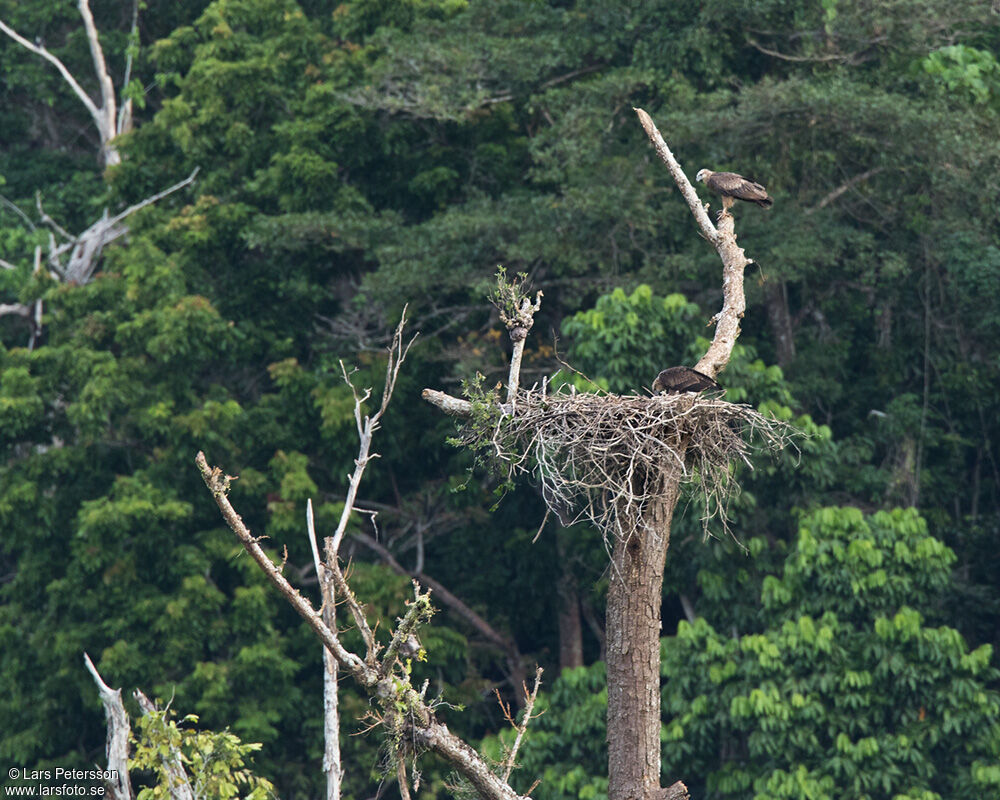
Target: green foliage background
column 358, row 156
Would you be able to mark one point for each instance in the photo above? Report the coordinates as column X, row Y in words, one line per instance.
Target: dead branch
column 690, row 195
column 108, row 125
column 311, row 531
column 366, row 425
column 734, row 261
column 418, row 724
column 404, row 711
column 218, row 485
column 40, row 50
column 804, row 59
column 417, row 613
column 33, row 312
column 529, row 705
column 119, row 732
column 844, row 187
column 128, row 212
column 47, row 220
column 85, row 249
column 16, row 310
column 124, row 121
column 517, row 312
column 452, row 406
column 369, row 424
column 357, row 612
column 17, row 211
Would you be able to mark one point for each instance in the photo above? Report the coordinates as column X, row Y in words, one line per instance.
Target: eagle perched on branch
column 734, row 187
column 675, row 380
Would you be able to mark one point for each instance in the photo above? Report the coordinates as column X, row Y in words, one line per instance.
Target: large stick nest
column 607, row 458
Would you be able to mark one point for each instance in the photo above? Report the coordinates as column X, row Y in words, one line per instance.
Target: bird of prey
column 674, row 380
column 734, row 187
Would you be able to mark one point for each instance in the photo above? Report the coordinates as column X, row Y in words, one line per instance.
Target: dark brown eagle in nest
column 734, row 187
column 674, row 380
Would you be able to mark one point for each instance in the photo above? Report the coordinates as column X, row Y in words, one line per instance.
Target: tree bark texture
column 635, row 597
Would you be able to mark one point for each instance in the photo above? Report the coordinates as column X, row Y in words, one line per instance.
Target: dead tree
column 171, row 759
column 404, row 713
column 109, row 119
column 119, row 733
column 30, row 312
column 620, row 462
column 119, row 737
column 332, row 768
column 73, row 258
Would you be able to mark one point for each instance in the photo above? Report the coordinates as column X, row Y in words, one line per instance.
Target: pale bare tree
column 405, row 714
column 119, row 733
column 73, row 258
column 109, row 117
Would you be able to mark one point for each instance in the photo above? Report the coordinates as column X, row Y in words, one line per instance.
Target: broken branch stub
column 119, row 733
column 517, row 312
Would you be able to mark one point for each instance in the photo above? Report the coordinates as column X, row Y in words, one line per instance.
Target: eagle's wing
column 733, row 185
column 674, row 380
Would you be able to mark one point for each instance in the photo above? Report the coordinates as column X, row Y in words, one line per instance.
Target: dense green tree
column 841, row 685
column 359, row 157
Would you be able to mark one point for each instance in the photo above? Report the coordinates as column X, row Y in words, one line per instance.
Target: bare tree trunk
column 332, row 767
column 780, row 320
column 331, row 702
column 331, row 728
column 635, row 597
column 570, row 624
